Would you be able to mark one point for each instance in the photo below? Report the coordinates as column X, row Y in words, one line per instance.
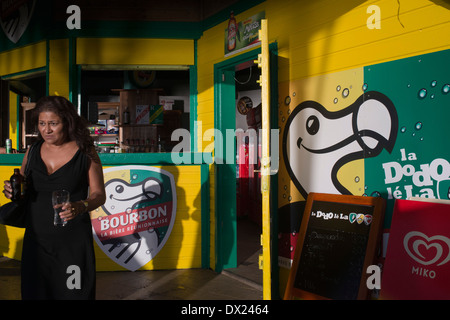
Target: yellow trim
column 59, row 68
column 23, row 59
column 13, row 129
column 265, row 160
column 135, row 51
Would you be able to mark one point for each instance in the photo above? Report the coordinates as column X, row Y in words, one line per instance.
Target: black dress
column 57, row 262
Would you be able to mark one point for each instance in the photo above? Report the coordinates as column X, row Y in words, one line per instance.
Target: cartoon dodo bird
column 124, row 197
column 317, row 142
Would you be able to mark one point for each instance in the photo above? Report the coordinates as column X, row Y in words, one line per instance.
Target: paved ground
column 189, row 284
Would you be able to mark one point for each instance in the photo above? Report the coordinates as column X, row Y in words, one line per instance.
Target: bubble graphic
column 433, row 83
column 365, row 86
column 418, row 125
column 422, row 93
column 345, row 92
column 446, row 88
column 375, row 194
column 335, row 100
column 403, row 130
column 287, row 100
column 338, row 88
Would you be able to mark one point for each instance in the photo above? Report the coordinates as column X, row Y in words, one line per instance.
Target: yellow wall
column 318, row 37
column 11, row 62
column 10, row 238
column 23, row 59
column 322, row 37
column 182, row 249
column 135, row 51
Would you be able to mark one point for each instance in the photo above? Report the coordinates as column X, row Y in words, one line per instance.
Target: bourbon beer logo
column 15, row 17
column 137, row 218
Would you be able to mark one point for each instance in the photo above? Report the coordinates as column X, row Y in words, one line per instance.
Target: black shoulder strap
column 27, row 165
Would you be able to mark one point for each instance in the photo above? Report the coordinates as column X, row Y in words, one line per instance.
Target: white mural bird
column 317, row 142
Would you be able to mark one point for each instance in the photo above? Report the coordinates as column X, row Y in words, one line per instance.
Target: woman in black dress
column 59, row 262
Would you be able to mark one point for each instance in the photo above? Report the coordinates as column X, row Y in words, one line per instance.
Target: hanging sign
column 137, row 218
column 338, row 240
column 417, row 264
column 243, row 34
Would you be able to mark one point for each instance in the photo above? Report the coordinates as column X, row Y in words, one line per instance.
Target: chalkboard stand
column 335, row 261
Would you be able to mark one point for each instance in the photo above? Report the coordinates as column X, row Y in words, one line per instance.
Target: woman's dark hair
column 74, row 126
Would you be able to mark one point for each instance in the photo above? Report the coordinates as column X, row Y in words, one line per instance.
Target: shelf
column 138, row 125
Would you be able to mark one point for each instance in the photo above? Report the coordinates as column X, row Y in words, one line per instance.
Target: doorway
column 230, row 229
column 248, row 175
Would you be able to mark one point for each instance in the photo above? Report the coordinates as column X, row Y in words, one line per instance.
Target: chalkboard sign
column 338, row 239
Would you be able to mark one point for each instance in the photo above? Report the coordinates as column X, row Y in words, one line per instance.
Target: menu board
column 338, row 239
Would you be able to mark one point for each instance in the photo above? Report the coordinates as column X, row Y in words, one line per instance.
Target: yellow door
column 263, row 63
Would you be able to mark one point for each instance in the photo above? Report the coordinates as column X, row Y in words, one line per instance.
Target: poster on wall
column 418, row 165
column 243, row 34
column 15, row 17
column 137, row 218
column 418, row 253
column 377, row 130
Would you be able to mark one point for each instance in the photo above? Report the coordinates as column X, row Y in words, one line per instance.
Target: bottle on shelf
column 160, row 146
column 126, row 116
column 116, row 118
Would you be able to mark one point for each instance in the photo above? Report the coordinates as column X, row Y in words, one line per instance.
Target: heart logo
column 427, row 250
column 352, row 217
column 15, row 17
column 368, row 219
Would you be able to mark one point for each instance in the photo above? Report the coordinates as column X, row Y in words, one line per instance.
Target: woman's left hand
column 71, row 210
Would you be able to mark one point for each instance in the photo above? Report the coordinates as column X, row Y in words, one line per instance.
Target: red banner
column 126, row 223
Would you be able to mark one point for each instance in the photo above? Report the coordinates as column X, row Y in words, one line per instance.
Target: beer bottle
column 17, row 185
column 232, row 29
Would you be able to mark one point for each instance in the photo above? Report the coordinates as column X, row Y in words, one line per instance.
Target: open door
column 226, row 175
column 264, row 64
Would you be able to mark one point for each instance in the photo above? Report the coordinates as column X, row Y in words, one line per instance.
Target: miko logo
column 428, row 251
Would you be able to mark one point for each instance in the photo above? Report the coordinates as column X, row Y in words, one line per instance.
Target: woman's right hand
column 7, row 189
